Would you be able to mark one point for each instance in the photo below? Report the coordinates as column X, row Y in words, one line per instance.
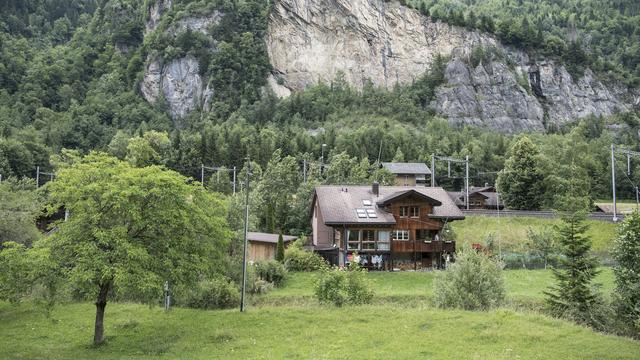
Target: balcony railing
column 423, row 246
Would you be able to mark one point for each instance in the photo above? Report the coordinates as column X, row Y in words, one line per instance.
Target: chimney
column 375, row 188
column 486, row 184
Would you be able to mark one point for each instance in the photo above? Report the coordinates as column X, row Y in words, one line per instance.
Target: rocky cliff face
column 313, row 40
column 372, row 40
column 177, row 81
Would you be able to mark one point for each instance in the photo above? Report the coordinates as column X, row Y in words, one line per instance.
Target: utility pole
column 613, row 181
column 498, row 207
column 246, row 231
column 167, row 296
column 234, row 180
column 433, row 170
column 322, row 159
column 304, row 170
column 202, row 174
column 37, row 177
column 629, row 154
column 466, row 180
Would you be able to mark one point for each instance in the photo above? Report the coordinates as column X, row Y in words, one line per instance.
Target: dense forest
column 69, row 84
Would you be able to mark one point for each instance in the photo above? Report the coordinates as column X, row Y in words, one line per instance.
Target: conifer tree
column 573, row 296
column 280, row 249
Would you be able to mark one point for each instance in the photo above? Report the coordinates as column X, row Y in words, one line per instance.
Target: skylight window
column 366, row 202
column 362, row 213
column 372, row 213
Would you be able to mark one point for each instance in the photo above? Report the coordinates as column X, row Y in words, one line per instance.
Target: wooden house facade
column 388, row 227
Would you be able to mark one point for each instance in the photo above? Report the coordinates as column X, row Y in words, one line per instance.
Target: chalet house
column 262, row 246
column 484, row 197
column 408, row 174
column 389, row 227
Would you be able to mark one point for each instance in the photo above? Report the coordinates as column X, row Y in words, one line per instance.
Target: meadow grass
column 521, row 285
column 512, row 231
column 382, row 332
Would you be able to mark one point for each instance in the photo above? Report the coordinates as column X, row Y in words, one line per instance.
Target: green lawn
column 521, row 285
column 512, row 231
column 381, row 332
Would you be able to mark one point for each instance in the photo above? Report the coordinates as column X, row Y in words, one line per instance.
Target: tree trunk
column 101, row 304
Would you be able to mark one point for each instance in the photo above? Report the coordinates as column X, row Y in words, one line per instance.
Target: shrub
column 259, row 286
column 216, row 293
column 343, row 287
column 297, row 259
column 271, row 271
column 473, row 282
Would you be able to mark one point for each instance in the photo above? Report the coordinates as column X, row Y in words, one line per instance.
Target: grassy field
column 522, row 286
column 382, row 332
column 512, row 231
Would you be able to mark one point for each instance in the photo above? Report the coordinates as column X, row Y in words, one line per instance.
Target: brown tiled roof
column 407, row 168
column 268, row 238
column 338, row 203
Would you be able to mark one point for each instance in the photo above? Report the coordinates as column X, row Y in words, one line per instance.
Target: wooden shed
column 262, row 246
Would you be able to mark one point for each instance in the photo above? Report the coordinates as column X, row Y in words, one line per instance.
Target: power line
column 629, row 153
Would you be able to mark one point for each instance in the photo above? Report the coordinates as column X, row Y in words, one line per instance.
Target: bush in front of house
column 216, row 293
column 298, row 259
column 271, row 271
column 473, row 282
column 343, row 286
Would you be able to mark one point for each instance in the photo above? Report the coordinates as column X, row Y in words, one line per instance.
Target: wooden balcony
column 421, row 246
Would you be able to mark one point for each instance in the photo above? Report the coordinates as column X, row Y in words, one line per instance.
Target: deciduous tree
column 132, row 229
column 520, row 182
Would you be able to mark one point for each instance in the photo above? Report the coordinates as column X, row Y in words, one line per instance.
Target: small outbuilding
column 262, row 246
column 408, row 174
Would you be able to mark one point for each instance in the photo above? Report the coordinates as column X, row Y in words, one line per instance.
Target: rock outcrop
column 312, row 40
column 309, row 41
column 177, row 81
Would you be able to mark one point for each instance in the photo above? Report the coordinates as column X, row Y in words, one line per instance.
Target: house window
column 425, row 235
column 401, row 235
column 404, row 211
column 414, row 211
column 383, row 240
column 406, row 180
column 368, row 240
column 353, row 242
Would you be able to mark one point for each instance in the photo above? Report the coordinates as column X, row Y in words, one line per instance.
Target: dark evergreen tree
column 573, row 295
column 280, row 248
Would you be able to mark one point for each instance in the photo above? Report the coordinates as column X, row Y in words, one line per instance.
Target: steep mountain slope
column 310, row 41
column 388, row 44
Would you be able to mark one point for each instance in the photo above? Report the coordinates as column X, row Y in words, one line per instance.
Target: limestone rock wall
column 313, row 40
column 177, row 81
column 309, row 41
